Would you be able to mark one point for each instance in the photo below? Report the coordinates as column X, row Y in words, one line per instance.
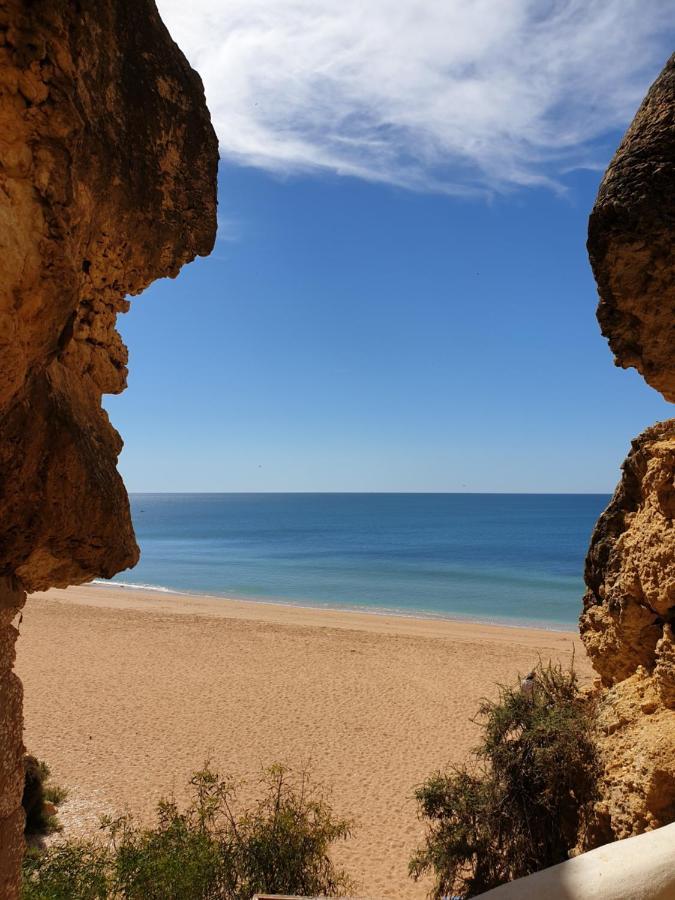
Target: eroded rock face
column 12, row 599
column 636, row 734
column 108, row 173
column 630, row 241
column 629, row 607
column 107, row 181
column 630, row 568
column 627, row 630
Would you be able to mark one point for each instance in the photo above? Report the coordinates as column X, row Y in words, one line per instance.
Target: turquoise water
column 511, row 558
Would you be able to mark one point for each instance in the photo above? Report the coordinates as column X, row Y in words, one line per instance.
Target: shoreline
column 393, row 612
column 128, row 692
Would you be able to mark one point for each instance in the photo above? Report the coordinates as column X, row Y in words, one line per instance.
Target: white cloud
column 229, row 229
column 449, row 95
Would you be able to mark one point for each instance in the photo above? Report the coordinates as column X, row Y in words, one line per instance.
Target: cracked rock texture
column 107, row 181
column 630, row 568
column 629, row 606
column 630, row 241
column 637, row 739
column 627, row 628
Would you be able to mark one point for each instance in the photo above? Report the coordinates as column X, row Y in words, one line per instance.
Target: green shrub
column 212, row 850
column 37, row 793
column 76, row 870
column 519, row 808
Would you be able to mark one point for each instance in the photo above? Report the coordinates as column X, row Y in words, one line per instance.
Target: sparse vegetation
column 519, row 808
column 212, row 850
column 40, row 798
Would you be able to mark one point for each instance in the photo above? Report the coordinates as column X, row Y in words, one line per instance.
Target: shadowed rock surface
column 107, row 181
column 630, row 241
column 629, row 607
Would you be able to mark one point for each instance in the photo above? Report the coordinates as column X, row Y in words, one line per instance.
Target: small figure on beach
column 527, row 685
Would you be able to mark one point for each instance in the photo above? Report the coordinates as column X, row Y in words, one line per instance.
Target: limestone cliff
column 629, row 607
column 629, row 612
column 107, row 181
column 630, row 241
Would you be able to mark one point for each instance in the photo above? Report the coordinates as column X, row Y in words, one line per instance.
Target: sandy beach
column 128, row 692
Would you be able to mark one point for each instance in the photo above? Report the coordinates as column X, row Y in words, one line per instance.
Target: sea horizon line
column 607, row 493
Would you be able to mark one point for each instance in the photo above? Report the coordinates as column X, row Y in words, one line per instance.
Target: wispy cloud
column 448, row 95
column 229, row 229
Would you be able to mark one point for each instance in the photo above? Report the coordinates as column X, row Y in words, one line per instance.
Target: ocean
column 505, row 558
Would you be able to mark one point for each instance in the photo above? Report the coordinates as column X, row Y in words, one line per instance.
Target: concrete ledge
column 637, row 868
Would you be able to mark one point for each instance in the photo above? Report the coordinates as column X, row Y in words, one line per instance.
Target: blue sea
column 508, row 558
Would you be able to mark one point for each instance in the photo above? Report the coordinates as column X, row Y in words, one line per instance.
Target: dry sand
column 128, row 692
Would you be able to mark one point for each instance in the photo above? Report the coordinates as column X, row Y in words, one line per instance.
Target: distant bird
column 527, row 685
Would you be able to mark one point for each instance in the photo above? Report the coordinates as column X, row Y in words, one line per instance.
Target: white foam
column 134, row 586
column 398, row 612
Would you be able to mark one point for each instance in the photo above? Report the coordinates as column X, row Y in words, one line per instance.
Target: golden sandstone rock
column 629, row 607
column 630, row 568
column 108, row 167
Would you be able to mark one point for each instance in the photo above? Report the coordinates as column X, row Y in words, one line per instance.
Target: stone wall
column 108, row 167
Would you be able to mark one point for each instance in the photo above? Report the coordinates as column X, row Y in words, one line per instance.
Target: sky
column 399, row 298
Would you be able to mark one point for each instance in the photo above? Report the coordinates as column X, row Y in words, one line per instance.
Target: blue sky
column 400, row 319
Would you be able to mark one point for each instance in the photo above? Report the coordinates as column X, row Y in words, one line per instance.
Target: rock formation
column 107, row 181
column 630, row 241
column 629, row 607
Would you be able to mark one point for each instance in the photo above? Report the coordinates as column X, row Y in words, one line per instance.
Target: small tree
column 519, row 809
column 281, row 845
